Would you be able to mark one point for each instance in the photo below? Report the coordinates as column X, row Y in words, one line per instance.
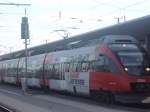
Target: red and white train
column 114, row 67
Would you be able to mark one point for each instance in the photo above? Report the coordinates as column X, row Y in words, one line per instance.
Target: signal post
column 25, row 36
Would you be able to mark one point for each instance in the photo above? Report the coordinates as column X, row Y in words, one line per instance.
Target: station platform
column 39, row 101
column 20, row 106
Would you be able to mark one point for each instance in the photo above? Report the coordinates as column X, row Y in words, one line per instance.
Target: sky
column 47, row 19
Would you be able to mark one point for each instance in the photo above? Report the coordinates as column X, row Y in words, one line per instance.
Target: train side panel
column 34, row 75
column 10, row 71
column 68, row 70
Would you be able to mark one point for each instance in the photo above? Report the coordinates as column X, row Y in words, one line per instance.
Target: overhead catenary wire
column 117, row 8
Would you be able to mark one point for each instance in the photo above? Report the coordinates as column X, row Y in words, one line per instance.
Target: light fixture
column 147, row 69
column 126, row 69
column 124, row 45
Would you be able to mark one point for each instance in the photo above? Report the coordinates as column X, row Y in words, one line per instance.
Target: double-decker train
column 113, row 67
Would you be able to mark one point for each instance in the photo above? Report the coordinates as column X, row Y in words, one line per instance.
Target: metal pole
column 24, row 80
column 24, row 86
column 26, row 58
column 26, row 63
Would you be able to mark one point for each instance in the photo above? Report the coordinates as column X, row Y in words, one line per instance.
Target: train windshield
column 131, row 58
column 134, row 59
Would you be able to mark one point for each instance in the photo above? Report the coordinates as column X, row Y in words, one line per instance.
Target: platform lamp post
column 25, row 36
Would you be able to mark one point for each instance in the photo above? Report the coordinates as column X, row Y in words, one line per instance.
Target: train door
column 44, row 78
column 62, row 76
column 56, row 80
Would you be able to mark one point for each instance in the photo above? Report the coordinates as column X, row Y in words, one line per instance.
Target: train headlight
column 126, row 69
column 147, row 69
column 124, row 45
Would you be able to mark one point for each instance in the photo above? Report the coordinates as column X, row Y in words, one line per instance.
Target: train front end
column 135, row 70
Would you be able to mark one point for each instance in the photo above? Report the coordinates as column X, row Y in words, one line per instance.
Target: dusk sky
column 74, row 16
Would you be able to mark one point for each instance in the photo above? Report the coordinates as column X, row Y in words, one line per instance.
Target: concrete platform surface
column 21, row 106
column 39, row 101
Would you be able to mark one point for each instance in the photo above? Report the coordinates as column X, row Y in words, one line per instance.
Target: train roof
column 137, row 28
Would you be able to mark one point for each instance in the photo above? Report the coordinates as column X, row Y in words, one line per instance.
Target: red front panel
column 108, row 82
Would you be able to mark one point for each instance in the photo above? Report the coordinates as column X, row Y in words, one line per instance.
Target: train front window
column 131, row 58
column 134, row 59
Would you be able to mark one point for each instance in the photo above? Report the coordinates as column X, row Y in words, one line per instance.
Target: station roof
column 138, row 28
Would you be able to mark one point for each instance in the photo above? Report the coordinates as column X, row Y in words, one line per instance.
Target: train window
column 75, row 65
column 105, row 64
column 56, row 68
column 85, row 66
column 92, row 65
column 51, row 72
column 110, row 66
column 100, row 63
column 70, row 67
column 99, row 66
column 66, row 67
column 56, row 71
column 50, row 68
column 79, row 67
